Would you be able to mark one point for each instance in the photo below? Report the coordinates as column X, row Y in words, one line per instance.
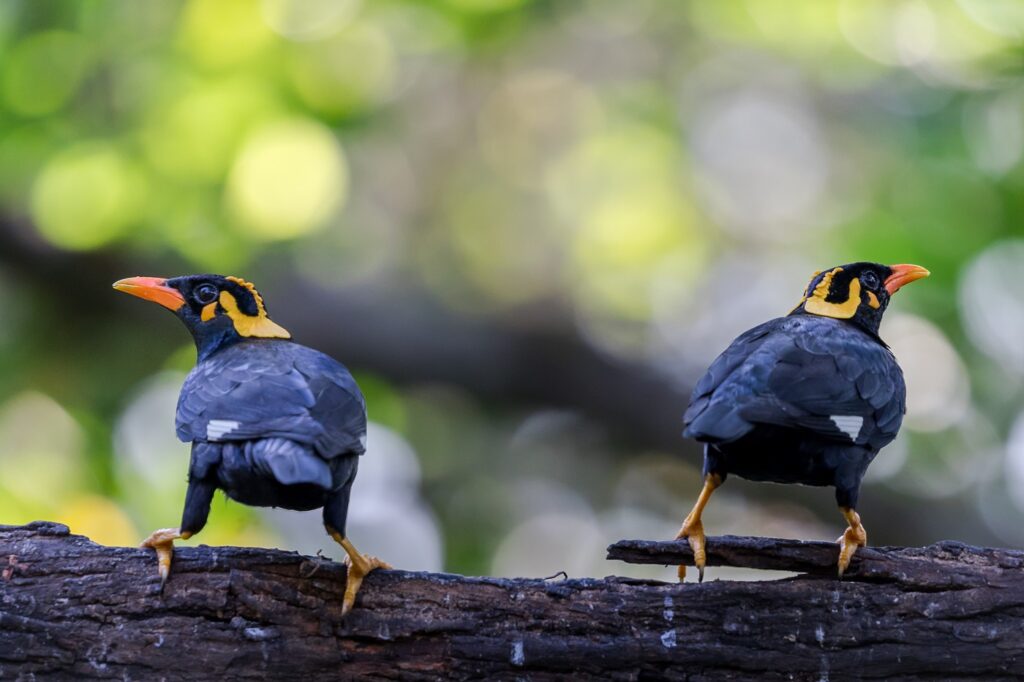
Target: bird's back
column 273, row 388
column 275, row 421
column 820, row 377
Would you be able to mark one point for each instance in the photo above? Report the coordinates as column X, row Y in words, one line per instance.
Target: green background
column 527, row 227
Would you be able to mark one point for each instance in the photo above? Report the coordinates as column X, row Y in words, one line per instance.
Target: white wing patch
column 216, row 429
column 848, row 424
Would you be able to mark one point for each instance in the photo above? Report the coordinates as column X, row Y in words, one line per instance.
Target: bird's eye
column 206, row 293
column 870, row 280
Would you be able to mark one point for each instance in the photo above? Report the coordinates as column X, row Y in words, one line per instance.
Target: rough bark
column 69, row 607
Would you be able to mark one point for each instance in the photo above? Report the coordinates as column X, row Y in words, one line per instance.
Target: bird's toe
column 162, row 541
column 693, row 532
column 849, row 542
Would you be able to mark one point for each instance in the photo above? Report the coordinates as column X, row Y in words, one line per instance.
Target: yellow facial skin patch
column 802, row 300
column 258, row 325
column 817, row 305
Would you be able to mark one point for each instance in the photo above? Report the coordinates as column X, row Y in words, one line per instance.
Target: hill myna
column 808, row 398
column 271, row 422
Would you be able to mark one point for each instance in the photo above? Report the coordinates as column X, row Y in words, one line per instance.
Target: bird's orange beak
column 152, row 289
column 903, row 274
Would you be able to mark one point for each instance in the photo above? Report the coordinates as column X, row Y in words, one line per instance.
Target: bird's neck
column 869, row 324
column 209, row 342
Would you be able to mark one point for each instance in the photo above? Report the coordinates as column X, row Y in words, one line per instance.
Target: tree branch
column 945, row 565
column 71, row 608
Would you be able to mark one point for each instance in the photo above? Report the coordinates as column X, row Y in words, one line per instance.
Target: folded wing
column 815, row 374
column 274, row 390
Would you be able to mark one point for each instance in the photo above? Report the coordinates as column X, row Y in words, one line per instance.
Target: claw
column 853, row 537
column 359, row 566
column 693, row 531
column 163, row 542
column 357, row 570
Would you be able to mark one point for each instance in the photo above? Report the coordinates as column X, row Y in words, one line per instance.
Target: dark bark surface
column 71, row 608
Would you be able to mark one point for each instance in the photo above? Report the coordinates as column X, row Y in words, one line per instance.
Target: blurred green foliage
column 660, row 175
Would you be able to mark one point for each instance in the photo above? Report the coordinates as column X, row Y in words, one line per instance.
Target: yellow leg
column 163, row 542
column 692, row 528
column 359, row 566
column 854, row 537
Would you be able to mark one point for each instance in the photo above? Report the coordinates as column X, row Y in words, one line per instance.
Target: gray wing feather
column 273, row 390
column 800, row 372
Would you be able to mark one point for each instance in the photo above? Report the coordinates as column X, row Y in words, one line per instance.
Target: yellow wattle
column 251, row 325
column 817, row 305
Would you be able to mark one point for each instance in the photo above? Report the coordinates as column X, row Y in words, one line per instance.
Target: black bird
column 272, row 423
column 808, row 398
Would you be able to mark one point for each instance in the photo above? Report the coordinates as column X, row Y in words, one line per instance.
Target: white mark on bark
column 669, row 613
column 518, row 654
column 256, row 634
column 668, row 639
column 819, row 635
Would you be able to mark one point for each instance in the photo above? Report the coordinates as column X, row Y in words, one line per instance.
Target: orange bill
column 152, row 289
column 903, row 274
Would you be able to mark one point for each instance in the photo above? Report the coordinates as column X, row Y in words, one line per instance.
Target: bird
column 272, row 423
column 809, row 398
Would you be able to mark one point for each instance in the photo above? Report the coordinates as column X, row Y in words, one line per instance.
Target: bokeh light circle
column 87, row 196
column 762, row 163
column 224, row 33
column 41, row 452
column 484, row 5
column 992, row 303
column 43, row 71
column 345, row 74
column 938, row 389
column 1014, row 463
column 288, row 180
column 308, row 19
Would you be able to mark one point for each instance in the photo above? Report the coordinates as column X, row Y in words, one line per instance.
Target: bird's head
column 858, row 292
column 217, row 310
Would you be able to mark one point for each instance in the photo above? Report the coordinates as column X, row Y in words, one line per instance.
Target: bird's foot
column 359, row 566
column 693, row 531
column 163, row 542
column 855, row 536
